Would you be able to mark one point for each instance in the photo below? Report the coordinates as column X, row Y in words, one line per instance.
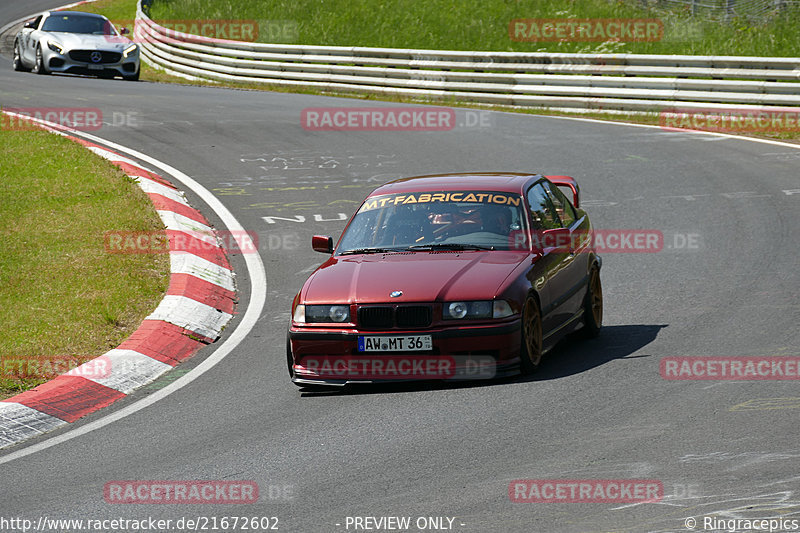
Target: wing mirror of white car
column 30, row 24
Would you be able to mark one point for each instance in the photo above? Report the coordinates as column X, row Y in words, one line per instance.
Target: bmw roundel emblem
column 96, row 57
column 396, row 294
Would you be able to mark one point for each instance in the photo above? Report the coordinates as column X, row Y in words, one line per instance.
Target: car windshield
column 457, row 220
column 78, row 24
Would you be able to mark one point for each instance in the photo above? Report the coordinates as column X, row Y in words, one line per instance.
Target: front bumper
column 55, row 62
column 331, row 356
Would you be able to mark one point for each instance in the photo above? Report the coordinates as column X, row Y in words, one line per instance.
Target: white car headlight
column 55, row 46
column 129, row 50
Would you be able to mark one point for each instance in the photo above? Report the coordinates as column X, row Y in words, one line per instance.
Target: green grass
column 474, row 24
column 483, row 24
column 63, row 298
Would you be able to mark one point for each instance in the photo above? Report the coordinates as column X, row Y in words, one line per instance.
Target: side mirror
column 30, row 24
column 567, row 181
column 124, row 31
column 322, row 243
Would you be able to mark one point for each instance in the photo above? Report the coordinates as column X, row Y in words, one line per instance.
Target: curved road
column 597, row 410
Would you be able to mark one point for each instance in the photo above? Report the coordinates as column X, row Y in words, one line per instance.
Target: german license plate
column 404, row 343
column 95, row 67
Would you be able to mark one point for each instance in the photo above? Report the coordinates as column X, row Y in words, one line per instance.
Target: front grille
column 417, row 316
column 376, row 317
column 86, row 56
column 402, row 316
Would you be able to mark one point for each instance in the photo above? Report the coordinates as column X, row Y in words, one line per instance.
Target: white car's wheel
column 18, row 65
column 39, row 67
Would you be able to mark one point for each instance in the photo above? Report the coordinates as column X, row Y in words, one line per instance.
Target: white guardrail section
column 608, row 82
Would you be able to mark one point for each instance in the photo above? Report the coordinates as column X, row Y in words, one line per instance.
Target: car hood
column 86, row 41
column 421, row 276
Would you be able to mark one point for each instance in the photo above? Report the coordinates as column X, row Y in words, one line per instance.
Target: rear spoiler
column 567, row 181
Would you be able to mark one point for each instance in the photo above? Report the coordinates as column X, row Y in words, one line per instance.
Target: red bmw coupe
column 451, row 276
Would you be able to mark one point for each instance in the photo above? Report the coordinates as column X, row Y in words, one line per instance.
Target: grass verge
column 484, row 24
column 63, row 298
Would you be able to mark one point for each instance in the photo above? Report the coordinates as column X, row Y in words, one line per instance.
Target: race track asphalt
column 598, row 409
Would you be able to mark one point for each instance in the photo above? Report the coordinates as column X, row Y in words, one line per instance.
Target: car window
column 419, row 219
column 543, row 211
column 77, row 24
column 565, row 211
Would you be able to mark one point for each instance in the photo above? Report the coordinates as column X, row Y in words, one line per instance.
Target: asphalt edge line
column 37, row 422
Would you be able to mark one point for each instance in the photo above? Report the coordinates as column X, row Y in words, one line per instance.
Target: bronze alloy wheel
column 531, row 353
column 593, row 305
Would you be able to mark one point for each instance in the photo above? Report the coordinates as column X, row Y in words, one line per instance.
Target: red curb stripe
column 68, row 397
column 163, row 203
column 182, row 242
column 203, row 291
column 135, row 170
column 163, row 342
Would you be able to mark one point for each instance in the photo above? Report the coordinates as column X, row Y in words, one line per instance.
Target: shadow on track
column 570, row 356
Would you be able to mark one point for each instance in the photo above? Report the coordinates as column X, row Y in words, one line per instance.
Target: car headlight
column 128, row 51
column 476, row 310
column 55, row 47
column 321, row 314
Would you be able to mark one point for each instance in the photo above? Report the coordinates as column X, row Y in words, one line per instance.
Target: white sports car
column 76, row 43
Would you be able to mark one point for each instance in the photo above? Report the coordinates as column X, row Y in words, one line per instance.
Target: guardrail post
column 729, row 11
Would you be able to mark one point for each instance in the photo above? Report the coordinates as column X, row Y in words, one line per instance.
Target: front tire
column 593, row 305
column 18, row 65
column 38, row 66
column 531, row 349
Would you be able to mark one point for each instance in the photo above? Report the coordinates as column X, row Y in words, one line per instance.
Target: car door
column 575, row 267
column 547, row 275
column 28, row 42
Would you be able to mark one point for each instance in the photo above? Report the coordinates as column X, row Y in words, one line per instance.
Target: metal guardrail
column 608, row 82
column 723, row 9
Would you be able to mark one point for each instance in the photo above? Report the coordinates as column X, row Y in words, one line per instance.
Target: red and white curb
column 199, row 303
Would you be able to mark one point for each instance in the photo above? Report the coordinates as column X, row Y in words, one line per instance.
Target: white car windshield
column 78, row 24
column 437, row 220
